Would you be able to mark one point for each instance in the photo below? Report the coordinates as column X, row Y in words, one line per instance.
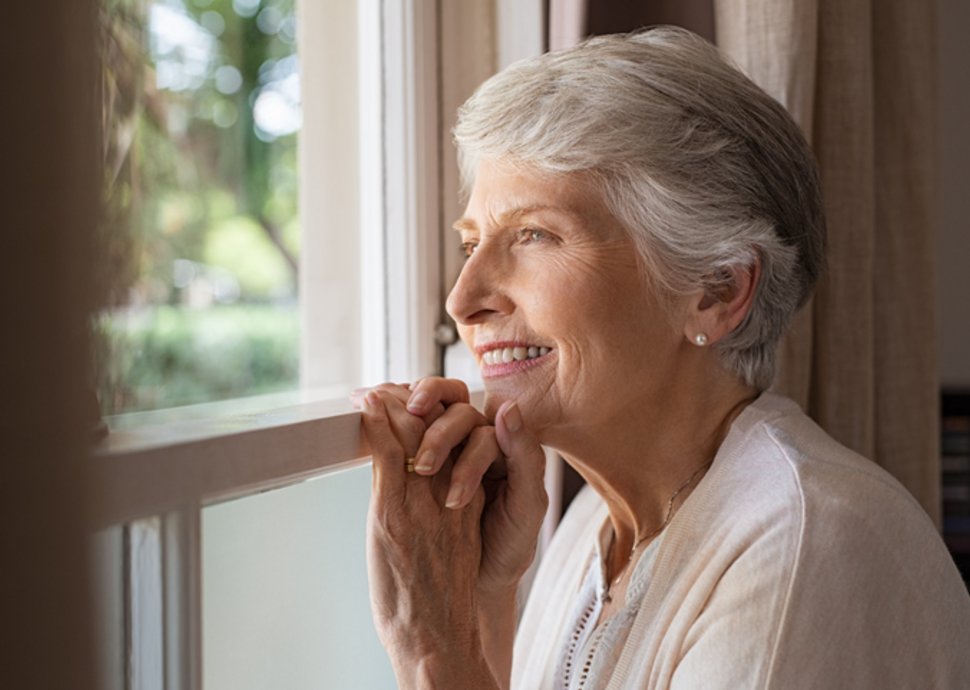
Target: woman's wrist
column 497, row 615
column 443, row 669
column 487, row 595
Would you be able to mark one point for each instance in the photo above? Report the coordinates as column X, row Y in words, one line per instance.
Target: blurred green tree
column 200, row 112
column 173, row 141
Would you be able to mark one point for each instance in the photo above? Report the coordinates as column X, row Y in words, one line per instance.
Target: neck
column 639, row 456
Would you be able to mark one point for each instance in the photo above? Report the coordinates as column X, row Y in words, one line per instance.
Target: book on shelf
column 955, row 464
column 955, row 476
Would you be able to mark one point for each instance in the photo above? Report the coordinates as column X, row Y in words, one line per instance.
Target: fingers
column 526, row 461
column 407, row 428
column 517, row 457
column 432, row 390
column 449, row 423
column 480, row 452
column 402, row 393
column 388, row 454
column 447, row 432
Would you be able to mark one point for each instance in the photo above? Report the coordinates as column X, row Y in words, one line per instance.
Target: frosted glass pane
column 107, row 549
column 285, row 590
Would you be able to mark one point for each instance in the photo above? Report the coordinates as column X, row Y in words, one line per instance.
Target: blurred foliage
column 200, row 109
column 123, row 112
column 239, row 245
column 168, row 356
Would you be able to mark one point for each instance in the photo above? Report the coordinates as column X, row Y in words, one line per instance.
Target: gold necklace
column 667, row 518
column 670, row 507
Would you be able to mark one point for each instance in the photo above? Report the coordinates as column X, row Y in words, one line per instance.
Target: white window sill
column 200, row 455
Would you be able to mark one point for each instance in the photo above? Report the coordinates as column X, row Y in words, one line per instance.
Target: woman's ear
column 713, row 314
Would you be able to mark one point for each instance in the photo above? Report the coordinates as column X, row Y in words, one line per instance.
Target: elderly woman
column 642, row 224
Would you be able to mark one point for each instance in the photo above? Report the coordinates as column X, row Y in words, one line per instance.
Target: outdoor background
column 201, row 106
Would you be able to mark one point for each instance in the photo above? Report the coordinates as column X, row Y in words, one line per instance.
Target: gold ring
column 409, row 465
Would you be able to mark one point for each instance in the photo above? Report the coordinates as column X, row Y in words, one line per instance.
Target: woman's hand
column 460, row 453
column 504, row 458
column 508, row 462
column 423, row 558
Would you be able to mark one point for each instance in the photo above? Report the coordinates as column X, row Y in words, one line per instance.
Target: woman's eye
column 528, row 235
column 468, row 248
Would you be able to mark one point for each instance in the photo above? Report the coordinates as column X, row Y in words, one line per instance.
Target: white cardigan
column 794, row 563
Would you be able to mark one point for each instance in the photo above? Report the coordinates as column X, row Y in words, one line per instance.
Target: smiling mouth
column 519, row 353
column 503, row 359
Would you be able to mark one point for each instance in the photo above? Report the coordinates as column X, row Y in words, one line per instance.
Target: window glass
column 284, row 590
column 201, row 106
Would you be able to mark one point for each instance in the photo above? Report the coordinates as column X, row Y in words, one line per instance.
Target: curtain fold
column 784, row 64
column 860, row 78
column 567, row 22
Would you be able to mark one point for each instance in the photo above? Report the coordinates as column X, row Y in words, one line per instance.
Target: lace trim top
column 591, row 647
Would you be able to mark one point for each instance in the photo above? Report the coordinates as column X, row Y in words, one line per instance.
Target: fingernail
column 425, row 462
column 417, row 401
column 512, row 417
column 454, row 496
column 371, row 400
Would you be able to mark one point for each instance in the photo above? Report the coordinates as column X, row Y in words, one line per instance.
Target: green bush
column 168, row 356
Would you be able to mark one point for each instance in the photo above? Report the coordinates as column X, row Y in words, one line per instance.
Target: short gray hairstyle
column 703, row 168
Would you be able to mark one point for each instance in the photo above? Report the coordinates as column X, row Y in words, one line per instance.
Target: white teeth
column 520, row 353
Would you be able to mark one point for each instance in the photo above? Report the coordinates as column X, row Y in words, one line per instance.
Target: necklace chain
column 663, row 525
column 670, row 508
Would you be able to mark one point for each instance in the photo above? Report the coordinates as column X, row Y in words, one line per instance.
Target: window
column 219, row 562
column 230, row 535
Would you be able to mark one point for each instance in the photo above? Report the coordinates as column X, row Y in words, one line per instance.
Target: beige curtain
column 860, row 77
column 567, row 22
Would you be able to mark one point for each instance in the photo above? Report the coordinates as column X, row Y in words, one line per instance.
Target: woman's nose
column 479, row 291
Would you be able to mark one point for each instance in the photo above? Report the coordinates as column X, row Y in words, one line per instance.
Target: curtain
column 859, row 76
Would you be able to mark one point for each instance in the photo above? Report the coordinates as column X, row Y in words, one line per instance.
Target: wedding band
column 409, row 465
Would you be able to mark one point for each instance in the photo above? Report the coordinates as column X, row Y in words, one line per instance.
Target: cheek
column 579, row 313
column 556, row 292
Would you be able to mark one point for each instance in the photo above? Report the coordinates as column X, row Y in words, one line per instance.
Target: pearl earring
column 700, row 339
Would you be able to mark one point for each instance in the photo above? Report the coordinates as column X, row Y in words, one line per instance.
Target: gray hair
column 704, row 169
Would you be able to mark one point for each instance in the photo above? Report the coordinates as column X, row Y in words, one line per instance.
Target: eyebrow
column 513, row 215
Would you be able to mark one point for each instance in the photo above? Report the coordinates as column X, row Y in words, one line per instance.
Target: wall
column 954, row 239
column 49, row 200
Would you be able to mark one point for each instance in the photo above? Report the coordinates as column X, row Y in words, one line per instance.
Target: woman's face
column 552, row 303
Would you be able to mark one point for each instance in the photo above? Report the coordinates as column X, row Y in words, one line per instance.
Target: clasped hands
column 448, row 544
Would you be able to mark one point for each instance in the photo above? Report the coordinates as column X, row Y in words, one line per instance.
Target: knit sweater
column 794, row 563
